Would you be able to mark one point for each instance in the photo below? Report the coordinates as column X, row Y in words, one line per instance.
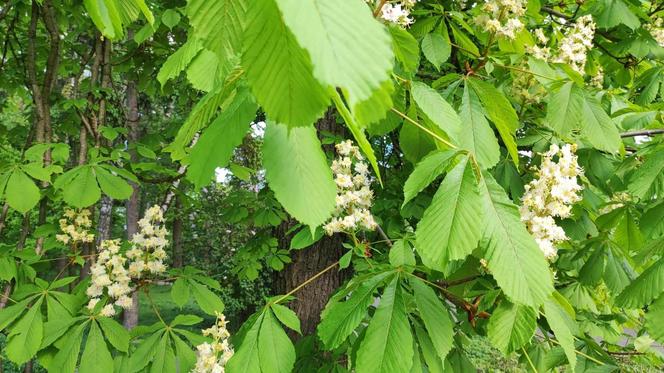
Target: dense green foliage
column 477, row 221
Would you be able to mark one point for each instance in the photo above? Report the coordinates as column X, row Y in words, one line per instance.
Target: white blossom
column 354, row 195
column 397, row 12
column 656, row 29
column 551, row 195
column 574, row 47
column 501, row 17
column 74, row 226
column 211, row 357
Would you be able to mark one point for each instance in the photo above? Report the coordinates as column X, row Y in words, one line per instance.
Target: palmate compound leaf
column 512, row 255
column 449, row 229
column 297, row 171
column 279, row 71
column 511, row 326
column 24, row 338
column 215, row 146
column 96, row 357
column 388, row 343
column 329, row 31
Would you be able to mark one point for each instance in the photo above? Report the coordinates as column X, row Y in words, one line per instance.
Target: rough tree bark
column 307, row 262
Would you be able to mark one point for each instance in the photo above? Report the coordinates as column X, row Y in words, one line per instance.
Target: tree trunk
column 130, row 317
column 178, row 249
column 311, row 299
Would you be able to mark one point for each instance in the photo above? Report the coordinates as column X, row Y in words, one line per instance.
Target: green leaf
column 287, row 317
column 81, row 189
column 204, row 65
column 178, row 61
column 627, row 233
column 405, row 48
column 186, row 320
column 512, row 255
column 652, row 221
column 433, row 361
column 644, row 178
column 96, row 357
column 145, row 352
column 655, row 320
column 276, row 352
column 439, row 111
column 112, row 185
column 297, row 171
column 329, row 31
column 215, row 147
column 448, row 229
column 426, row 171
column 436, row 49
column 645, row 288
column 401, row 254
column 563, row 326
column 279, row 70
column 388, row 343
column 476, row 134
column 11, row 313
column 67, row 357
column 115, row 333
column 339, row 319
column 220, row 24
column 170, row 18
column 186, row 356
column 209, row 302
column 24, row 339
column 500, row 112
column 565, row 109
column 611, row 13
column 435, row 316
column 180, row 292
column 598, row 128
column 245, row 359
column 511, row 326
column 22, row 194
column 106, row 17
column 304, row 238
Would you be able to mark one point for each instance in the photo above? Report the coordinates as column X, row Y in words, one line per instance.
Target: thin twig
column 529, row 361
column 651, row 132
column 305, row 283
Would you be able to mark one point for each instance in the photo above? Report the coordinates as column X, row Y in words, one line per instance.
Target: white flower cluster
column 397, row 12
column 109, row 273
column 656, row 29
column 574, row 47
column 501, row 17
column 74, row 226
column 543, row 52
column 212, row 357
column 114, row 271
column 354, row 195
column 147, row 253
column 551, row 195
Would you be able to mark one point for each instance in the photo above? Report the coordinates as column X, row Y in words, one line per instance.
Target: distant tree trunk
column 130, row 317
column 307, row 262
column 178, row 249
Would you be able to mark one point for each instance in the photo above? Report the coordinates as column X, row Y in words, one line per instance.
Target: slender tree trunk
column 130, row 317
column 178, row 249
column 311, row 299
